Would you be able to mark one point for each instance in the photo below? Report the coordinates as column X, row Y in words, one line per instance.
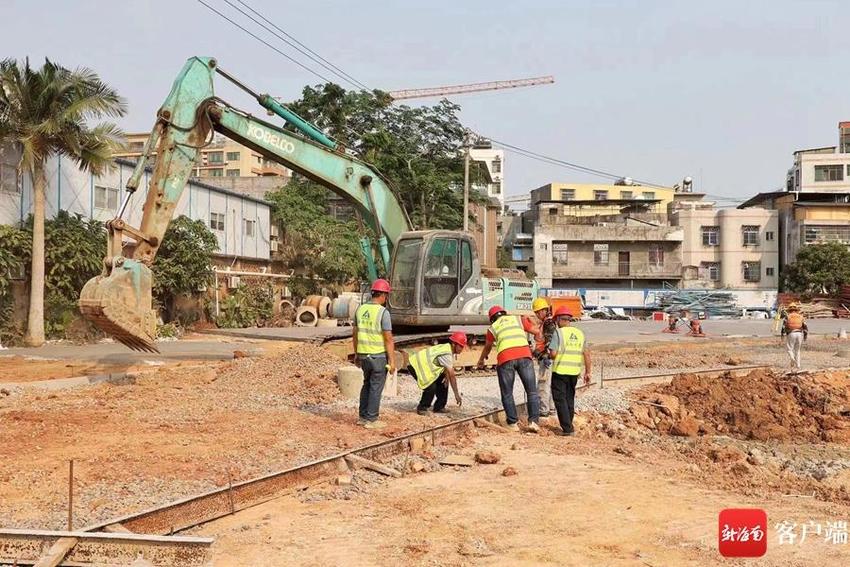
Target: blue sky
column 722, row 91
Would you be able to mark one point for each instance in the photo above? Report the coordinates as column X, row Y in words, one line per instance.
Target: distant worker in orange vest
column 795, row 331
column 509, row 333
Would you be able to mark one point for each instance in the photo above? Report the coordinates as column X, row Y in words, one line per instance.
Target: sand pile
column 761, row 405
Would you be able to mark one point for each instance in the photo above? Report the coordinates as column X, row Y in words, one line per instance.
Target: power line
column 267, row 44
column 570, row 165
column 306, row 51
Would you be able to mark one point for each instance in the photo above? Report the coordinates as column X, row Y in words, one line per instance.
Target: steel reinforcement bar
column 189, row 512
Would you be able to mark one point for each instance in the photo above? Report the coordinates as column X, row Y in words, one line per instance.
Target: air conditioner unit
column 232, row 282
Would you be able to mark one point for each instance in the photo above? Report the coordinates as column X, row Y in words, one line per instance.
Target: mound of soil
column 760, row 405
column 669, row 356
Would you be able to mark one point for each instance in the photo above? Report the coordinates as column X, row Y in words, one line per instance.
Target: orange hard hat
column 458, row 339
column 563, row 312
column 495, row 310
column 381, row 285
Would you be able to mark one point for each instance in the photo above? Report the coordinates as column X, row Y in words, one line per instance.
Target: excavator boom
column 119, row 300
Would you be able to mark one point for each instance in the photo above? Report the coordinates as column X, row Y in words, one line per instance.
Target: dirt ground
column 573, row 501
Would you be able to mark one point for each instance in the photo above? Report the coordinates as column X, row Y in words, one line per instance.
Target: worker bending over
column 548, row 328
column 375, row 352
column 795, row 331
column 513, row 355
column 433, row 370
column 569, row 351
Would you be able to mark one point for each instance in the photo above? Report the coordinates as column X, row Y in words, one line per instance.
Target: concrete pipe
column 321, row 303
column 306, row 316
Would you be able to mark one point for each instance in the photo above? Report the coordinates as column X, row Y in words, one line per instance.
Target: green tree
column 46, row 112
column 819, row 268
column 313, row 243
column 418, row 149
column 183, row 264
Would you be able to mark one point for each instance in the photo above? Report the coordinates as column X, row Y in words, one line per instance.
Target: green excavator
column 435, row 274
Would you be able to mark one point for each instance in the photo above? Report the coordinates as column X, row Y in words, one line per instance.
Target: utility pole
column 466, row 143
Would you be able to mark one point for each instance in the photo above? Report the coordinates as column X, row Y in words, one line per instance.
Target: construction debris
column 712, row 303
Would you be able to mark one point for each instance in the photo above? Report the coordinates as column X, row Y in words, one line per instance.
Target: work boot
column 568, row 433
column 361, row 421
column 533, row 427
column 421, row 411
column 443, row 410
column 375, row 424
column 512, row 427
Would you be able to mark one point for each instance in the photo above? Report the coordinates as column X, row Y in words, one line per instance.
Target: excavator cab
column 436, row 280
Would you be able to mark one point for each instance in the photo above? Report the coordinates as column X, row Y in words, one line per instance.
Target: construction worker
column 795, row 331
column 433, row 370
column 373, row 345
column 508, row 333
column 548, row 328
column 568, row 349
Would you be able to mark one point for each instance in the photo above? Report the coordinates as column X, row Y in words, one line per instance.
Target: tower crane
column 470, row 88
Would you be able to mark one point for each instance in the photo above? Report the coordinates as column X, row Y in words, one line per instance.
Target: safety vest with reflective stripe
column 509, row 333
column 569, row 358
column 370, row 339
column 425, row 364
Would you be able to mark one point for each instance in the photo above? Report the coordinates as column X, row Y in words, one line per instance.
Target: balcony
column 618, row 270
column 613, row 233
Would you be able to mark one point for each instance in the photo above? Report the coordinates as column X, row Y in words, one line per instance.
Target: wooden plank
column 117, row 529
column 356, row 461
column 57, row 552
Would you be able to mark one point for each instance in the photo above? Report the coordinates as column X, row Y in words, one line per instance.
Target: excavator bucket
column 119, row 304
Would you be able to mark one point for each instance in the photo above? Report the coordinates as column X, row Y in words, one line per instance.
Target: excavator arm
column 119, row 300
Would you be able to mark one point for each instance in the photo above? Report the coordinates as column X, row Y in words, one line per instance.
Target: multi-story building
column 592, row 199
column 601, row 243
column 728, row 248
column 221, row 158
column 815, row 205
column 240, row 223
column 493, row 161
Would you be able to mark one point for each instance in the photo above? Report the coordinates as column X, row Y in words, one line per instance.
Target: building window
column 232, row 156
column 848, row 167
column 656, row 256
column 560, row 253
column 797, row 179
column 648, row 195
column 215, row 172
column 750, row 234
column 217, row 221
column 496, row 188
column 553, row 211
column 105, row 198
column 829, row 173
column 627, row 194
column 710, row 235
column 752, row 271
column 9, row 178
column 259, row 160
column 215, row 157
column 826, row 233
column 710, row 271
column 233, row 173
column 768, row 235
column 600, row 254
column 568, row 194
column 600, row 195
column 768, row 272
column 497, row 165
column 249, row 227
column 136, row 147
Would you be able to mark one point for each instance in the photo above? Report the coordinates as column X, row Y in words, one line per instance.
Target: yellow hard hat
column 538, row 304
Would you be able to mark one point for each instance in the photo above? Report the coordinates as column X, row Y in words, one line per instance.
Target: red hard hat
column 458, row 339
column 381, row 285
column 563, row 312
column 494, row 310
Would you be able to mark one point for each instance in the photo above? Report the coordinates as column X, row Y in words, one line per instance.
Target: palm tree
column 45, row 113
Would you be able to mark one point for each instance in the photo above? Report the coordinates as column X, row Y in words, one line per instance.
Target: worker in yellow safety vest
column 568, row 349
column 509, row 334
column 433, row 369
column 795, row 331
column 375, row 352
